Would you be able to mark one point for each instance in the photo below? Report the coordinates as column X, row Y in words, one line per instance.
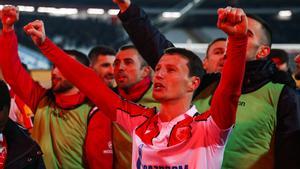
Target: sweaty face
column 255, row 41
column 103, row 66
column 214, row 60
column 59, row 82
column 128, row 68
column 171, row 78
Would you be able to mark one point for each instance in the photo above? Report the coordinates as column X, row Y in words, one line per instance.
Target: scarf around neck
column 69, row 101
column 137, row 91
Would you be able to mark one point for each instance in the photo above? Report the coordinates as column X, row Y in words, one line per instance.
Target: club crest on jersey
column 182, row 133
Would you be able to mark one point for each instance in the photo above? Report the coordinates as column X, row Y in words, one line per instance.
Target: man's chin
column 122, row 84
column 158, row 97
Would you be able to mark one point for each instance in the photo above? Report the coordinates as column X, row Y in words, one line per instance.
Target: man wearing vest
column 60, row 112
column 267, row 130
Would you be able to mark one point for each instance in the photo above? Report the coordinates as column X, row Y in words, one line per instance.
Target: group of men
column 236, row 110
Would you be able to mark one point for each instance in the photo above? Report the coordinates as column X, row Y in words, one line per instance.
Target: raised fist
column 123, row 4
column 233, row 21
column 9, row 16
column 36, row 30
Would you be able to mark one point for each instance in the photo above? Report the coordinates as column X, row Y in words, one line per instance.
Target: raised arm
column 234, row 23
column 84, row 78
column 14, row 73
column 148, row 40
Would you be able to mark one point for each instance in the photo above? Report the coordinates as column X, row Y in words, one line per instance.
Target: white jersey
column 183, row 143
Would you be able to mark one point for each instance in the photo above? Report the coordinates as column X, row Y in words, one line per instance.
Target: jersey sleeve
column 15, row 75
column 149, row 41
column 225, row 100
column 88, row 82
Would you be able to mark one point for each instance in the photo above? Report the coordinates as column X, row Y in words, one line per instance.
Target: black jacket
column 151, row 45
column 22, row 151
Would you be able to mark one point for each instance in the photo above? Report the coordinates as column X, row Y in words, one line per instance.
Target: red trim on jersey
column 203, row 117
column 148, row 130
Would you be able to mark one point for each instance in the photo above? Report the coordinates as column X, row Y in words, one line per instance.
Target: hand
column 123, row 4
column 9, row 15
column 36, row 30
column 233, row 21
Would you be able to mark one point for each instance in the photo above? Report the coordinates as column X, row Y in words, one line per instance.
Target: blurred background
column 82, row 24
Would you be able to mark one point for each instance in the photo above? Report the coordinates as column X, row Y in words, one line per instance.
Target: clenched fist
column 9, row 16
column 233, row 21
column 123, row 4
column 36, row 30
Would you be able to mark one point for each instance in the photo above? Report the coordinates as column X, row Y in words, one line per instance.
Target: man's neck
column 136, row 91
column 173, row 108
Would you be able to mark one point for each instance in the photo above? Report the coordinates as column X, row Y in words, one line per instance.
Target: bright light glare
column 25, row 8
column 113, row 11
column 58, row 11
column 285, row 13
column 95, row 11
column 171, row 14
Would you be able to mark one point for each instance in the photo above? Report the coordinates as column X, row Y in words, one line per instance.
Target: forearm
column 15, row 75
column 225, row 100
column 84, row 78
column 147, row 39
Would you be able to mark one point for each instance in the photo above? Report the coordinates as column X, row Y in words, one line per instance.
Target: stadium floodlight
column 95, row 11
column 113, row 11
column 25, row 8
column 285, row 14
column 171, row 14
column 58, row 11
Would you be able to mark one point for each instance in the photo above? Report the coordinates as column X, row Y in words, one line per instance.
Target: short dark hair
column 4, row 96
column 79, row 56
column 265, row 28
column 130, row 46
column 280, row 54
column 212, row 42
column 194, row 62
column 100, row 50
column 127, row 46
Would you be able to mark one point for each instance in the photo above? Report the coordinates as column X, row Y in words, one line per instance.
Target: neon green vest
column 122, row 141
column 251, row 142
column 61, row 133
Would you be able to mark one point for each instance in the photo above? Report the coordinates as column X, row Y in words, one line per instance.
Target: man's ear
column 194, row 83
column 146, row 70
column 264, row 51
